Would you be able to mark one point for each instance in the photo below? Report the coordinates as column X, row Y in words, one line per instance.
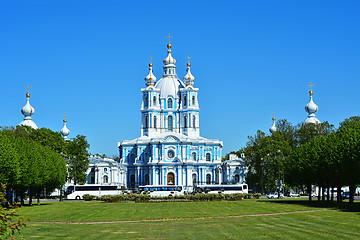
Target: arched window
column 146, row 179
column 208, row 179
column 170, row 103
column 170, row 123
column 237, row 178
column 132, row 158
column 193, row 156
column 170, row 179
column 185, row 121
column 105, row 179
column 154, row 101
column 193, row 122
column 132, row 181
column 208, row 157
column 185, row 100
column 146, row 101
column 155, row 122
column 193, row 100
column 92, row 176
column 146, row 121
column 194, row 177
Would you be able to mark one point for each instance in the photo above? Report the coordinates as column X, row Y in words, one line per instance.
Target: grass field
column 339, row 222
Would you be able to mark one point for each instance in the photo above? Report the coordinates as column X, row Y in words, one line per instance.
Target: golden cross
column 65, row 115
column 188, row 58
column 150, row 59
column 169, row 37
column 28, row 87
column 310, row 85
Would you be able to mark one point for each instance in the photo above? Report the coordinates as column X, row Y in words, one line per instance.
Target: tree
column 9, row 226
column 78, row 158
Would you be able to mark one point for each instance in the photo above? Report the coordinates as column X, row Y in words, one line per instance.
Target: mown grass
column 342, row 221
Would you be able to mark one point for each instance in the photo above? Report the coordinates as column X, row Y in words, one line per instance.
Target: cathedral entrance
column 170, row 179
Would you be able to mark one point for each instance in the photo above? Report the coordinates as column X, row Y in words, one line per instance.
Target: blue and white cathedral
column 170, row 150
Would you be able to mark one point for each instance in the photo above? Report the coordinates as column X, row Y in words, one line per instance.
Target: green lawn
column 343, row 221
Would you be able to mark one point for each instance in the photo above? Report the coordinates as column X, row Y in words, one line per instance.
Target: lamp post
column 279, row 174
column 268, row 171
column 262, row 175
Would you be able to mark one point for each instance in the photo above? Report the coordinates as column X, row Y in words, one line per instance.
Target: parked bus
column 77, row 191
column 225, row 189
column 162, row 190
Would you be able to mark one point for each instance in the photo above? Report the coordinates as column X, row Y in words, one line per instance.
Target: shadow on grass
column 345, row 206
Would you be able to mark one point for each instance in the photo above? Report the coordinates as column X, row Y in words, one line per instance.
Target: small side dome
column 311, row 107
column 27, row 110
column 189, row 78
column 65, row 131
column 150, row 79
column 273, row 128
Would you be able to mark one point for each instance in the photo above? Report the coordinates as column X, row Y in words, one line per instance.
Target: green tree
column 78, row 158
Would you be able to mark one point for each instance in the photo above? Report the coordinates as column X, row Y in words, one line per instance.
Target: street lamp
column 262, row 175
column 279, row 174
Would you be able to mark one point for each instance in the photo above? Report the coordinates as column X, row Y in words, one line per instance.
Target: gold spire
column 169, row 44
column 310, row 92
column 273, row 118
column 188, row 62
column 150, row 64
column 64, row 118
column 28, row 94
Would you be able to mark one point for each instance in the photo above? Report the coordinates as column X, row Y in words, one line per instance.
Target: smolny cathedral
column 170, row 150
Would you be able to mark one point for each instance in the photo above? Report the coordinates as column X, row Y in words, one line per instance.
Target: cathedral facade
column 170, row 150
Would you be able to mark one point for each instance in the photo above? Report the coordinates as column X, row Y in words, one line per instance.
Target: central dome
column 169, row 86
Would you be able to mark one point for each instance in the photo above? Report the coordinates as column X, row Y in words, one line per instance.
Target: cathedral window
column 146, row 101
column 132, row 181
column 193, row 156
column 185, row 100
column 171, row 154
column 208, row 157
column 185, row 121
column 146, row 179
column 193, row 100
column 193, row 122
column 146, row 121
column 155, row 122
column 105, row 179
column 194, row 177
column 169, row 103
column 132, row 158
column 154, row 101
column 170, row 123
column 237, row 178
column 208, row 179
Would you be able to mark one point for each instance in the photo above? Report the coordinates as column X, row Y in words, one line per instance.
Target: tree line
column 36, row 161
column 305, row 155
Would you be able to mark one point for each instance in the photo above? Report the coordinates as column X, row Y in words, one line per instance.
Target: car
column 274, row 195
column 345, row 195
column 294, row 195
column 290, row 194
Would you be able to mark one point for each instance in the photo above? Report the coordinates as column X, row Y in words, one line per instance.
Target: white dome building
column 170, row 150
column 27, row 111
column 65, row 131
column 273, row 128
column 311, row 108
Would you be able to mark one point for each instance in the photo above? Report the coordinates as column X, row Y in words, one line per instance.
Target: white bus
column 225, row 189
column 77, row 191
column 162, row 190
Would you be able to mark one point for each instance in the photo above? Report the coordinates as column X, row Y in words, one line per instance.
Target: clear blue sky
column 88, row 59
